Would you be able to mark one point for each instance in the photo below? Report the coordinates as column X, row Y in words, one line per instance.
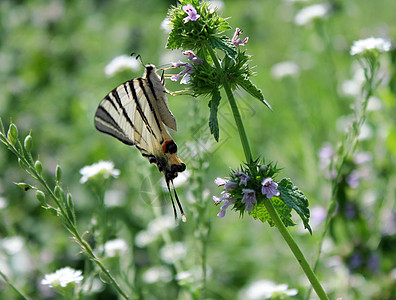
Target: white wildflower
column 115, row 247
column 12, row 245
column 62, row 277
column 144, row 237
column 154, row 229
column 3, row 202
column 265, row 289
column 105, row 168
column 157, row 274
column 121, row 63
column 161, row 224
column 311, row 13
column 370, row 44
column 285, row 68
column 173, row 252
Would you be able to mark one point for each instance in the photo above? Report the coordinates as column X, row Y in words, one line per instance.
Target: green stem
column 234, row 108
column 296, row 250
column 2, row 275
column 268, row 204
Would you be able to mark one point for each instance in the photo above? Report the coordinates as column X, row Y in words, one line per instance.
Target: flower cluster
column 104, row 169
column 63, row 277
column 370, row 45
column 245, row 188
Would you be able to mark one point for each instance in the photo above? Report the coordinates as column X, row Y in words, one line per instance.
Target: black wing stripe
column 124, row 112
column 104, row 122
column 139, row 109
column 112, row 102
column 150, row 104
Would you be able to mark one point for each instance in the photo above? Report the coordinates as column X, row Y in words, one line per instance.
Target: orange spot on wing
column 164, row 145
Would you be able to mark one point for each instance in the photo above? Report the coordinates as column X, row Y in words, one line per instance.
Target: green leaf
column 213, row 123
column 249, row 87
column 295, row 199
column 224, row 43
column 260, row 212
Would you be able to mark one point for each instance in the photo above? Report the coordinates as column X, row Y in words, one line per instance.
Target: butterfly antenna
column 183, row 216
column 138, row 57
column 173, row 203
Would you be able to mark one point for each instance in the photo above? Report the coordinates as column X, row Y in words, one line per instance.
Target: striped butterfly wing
column 130, row 114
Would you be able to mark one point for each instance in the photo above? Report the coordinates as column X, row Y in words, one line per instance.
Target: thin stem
column 270, row 208
column 296, row 250
column 2, row 275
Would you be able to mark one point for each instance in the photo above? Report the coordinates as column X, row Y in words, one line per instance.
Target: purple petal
column 220, row 181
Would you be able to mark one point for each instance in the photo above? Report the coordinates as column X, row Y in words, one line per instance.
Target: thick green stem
column 296, row 250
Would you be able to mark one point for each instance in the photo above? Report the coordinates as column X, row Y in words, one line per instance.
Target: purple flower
column 186, row 72
column 225, row 197
column 249, row 198
column 227, row 202
column 230, row 185
column 224, row 207
column 220, row 181
column 192, row 13
column 244, row 178
column 269, row 188
column 192, row 57
column 353, row 179
column 236, row 40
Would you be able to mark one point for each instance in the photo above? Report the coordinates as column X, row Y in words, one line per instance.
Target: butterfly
column 137, row 113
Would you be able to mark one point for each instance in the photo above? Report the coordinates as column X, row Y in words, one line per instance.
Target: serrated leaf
column 295, row 199
column 260, row 212
column 213, row 122
column 253, row 90
column 224, row 43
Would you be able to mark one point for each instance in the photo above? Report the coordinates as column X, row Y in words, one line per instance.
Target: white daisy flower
column 105, row 168
column 115, row 247
column 311, row 13
column 285, row 68
column 265, row 289
column 370, row 44
column 12, row 245
column 157, row 274
column 3, row 202
column 173, row 252
column 62, row 277
column 121, row 63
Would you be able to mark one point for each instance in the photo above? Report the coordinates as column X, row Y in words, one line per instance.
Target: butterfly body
column 137, row 113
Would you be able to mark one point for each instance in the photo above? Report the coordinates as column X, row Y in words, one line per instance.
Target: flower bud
column 58, row 192
column 12, row 133
column 40, row 196
column 58, row 173
column 28, row 143
column 38, row 166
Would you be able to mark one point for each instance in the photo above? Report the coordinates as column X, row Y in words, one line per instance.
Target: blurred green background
column 52, row 60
